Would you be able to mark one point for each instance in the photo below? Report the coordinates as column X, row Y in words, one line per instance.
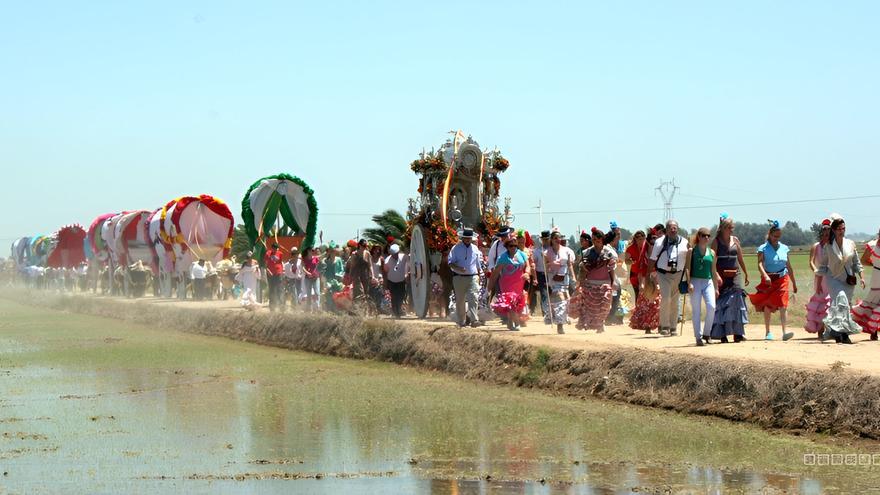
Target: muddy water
column 92, row 405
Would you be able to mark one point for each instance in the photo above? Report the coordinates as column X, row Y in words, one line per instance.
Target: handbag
column 850, row 279
column 558, row 278
column 683, row 284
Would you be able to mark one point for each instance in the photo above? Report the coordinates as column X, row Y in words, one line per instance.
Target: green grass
column 536, row 369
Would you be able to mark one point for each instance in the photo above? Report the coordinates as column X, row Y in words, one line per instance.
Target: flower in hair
column 773, row 223
column 724, row 215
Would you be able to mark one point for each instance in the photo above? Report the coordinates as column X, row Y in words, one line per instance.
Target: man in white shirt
column 497, row 248
column 464, row 261
column 198, row 272
column 559, row 260
column 396, row 272
column 293, row 274
column 669, row 256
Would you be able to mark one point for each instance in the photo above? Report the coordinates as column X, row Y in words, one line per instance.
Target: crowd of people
column 663, row 267
column 357, row 278
column 514, row 277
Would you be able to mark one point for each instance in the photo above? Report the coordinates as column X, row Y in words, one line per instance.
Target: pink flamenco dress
column 510, row 297
column 817, row 308
column 867, row 312
column 820, row 301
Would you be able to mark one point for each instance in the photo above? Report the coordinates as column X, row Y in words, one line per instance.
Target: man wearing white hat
column 396, row 272
column 464, row 261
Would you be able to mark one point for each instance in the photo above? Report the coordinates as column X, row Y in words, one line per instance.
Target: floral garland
column 428, row 164
column 489, row 225
column 441, row 237
column 492, row 185
column 438, row 237
column 500, row 163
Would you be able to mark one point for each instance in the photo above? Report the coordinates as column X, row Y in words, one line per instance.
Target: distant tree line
column 755, row 234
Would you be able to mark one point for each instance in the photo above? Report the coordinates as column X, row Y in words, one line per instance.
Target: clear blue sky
column 108, row 106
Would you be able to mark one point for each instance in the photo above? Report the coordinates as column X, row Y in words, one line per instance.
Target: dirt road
column 804, row 350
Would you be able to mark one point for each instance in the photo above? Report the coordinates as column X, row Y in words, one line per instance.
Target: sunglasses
column 704, row 236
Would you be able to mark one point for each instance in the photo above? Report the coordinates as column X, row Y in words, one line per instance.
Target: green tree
column 388, row 223
column 240, row 243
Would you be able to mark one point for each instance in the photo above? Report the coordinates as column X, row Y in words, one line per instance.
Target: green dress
column 333, row 273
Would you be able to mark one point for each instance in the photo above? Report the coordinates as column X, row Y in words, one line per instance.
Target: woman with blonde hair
column 731, row 313
column 701, row 272
column 776, row 271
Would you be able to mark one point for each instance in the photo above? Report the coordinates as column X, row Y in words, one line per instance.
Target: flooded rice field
column 89, row 405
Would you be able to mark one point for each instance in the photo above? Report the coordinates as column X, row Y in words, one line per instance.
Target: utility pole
column 667, row 191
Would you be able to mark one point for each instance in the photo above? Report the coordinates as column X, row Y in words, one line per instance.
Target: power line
column 700, row 207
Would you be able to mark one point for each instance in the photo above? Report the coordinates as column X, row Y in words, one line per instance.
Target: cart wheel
column 419, row 271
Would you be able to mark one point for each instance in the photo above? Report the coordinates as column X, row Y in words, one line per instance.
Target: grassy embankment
column 768, row 394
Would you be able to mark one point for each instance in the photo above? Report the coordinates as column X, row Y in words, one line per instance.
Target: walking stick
column 681, row 315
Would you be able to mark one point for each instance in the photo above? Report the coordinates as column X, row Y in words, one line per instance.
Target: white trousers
column 704, row 290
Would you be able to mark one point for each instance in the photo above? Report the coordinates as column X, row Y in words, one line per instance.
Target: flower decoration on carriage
column 441, row 237
column 498, row 162
column 428, row 163
column 490, row 224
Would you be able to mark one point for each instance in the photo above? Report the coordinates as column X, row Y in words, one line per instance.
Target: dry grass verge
column 773, row 396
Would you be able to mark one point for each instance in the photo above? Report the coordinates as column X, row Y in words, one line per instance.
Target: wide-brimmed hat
column 545, row 234
column 467, row 234
column 503, row 231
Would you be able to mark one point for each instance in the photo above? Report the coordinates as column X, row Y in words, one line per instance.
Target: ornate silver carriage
column 459, row 187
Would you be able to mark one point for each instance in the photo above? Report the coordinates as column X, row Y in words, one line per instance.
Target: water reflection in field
column 91, row 405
